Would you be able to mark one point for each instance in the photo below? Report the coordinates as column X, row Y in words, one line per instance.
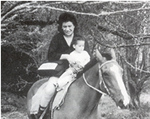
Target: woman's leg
column 48, row 92
column 51, row 86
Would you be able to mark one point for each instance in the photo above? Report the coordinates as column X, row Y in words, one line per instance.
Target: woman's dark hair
column 78, row 38
column 65, row 17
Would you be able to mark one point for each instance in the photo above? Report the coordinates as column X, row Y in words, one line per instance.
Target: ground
column 14, row 107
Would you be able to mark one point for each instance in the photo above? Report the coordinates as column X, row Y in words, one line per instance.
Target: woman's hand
column 70, row 60
column 64, row 56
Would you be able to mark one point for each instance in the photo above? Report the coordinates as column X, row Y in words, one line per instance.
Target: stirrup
column 41, row 110
column 56, row 85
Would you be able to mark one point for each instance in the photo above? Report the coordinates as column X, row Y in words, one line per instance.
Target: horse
column 81, row 102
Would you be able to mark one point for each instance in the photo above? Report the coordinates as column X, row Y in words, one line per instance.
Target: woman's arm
column 52, row 51
column 56, row 49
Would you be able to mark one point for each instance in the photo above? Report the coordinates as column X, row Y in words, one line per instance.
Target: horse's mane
column 87, row 66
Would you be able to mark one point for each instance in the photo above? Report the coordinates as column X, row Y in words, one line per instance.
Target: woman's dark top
column 59, row 46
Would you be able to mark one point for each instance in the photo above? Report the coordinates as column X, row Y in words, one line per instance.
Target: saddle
column 60, row 96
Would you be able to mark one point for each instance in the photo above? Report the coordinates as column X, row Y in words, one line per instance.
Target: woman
column 60, row 48
column 61, row 44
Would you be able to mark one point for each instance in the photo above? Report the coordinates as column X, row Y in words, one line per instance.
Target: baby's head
column 79, row 43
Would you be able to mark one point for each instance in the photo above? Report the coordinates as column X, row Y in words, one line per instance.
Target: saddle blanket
column 58, row 100
column 60, row 96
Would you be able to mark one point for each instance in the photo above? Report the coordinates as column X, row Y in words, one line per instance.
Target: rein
column 99, row 91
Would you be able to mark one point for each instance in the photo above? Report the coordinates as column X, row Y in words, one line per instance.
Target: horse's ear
column 99, row 56
column 112, row 51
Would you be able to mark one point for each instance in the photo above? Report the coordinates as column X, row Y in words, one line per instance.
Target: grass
column 108, row 110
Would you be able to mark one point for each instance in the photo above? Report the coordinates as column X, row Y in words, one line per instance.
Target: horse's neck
column 92, row 75
column 86, row 97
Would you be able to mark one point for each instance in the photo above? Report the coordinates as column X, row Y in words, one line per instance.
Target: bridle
column 98, row 90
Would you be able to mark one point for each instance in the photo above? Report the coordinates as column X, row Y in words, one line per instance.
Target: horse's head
column 112, row 78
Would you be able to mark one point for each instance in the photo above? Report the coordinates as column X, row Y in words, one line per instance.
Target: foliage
column 27, row 28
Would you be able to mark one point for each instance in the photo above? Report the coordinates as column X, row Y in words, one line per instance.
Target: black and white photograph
column 75, row 59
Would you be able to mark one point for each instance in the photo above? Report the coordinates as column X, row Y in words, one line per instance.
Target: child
column 78, row 59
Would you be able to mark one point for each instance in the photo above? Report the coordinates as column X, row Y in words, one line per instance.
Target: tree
column 124, row 26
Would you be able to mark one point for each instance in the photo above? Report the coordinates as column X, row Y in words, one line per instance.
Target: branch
column 132, row 45
column 17, row 8
column 123, row 34
column 120, row 46
column 27, row 5
column 121, row 55
column 116, row 46
column 36, row 22
column 141, row 70
column 143, row 36
column 89, row 14
column 129, row 2
column 13, row 6
column 98, row 41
